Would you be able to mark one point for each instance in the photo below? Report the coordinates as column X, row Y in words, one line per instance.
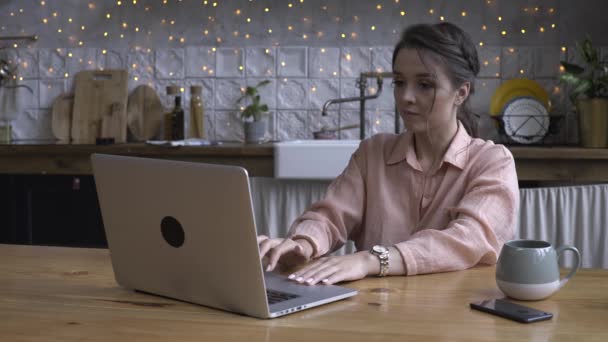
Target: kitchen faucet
column 362, row 84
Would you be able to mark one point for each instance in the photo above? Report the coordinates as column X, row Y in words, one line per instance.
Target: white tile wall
column 354, row 60
column 112, row 58
column 200, row 61
column 322, row 90
column 292, row 93
column 169, row 63
column 230, row 62
column 140, row 63
column 324, row 62
column 81, row 59
column 517, row 62
column 293, row 125
column 49, row 90
column 227, row 91
column 489, row 60
column 381, row 59
column 28, row 63
column 316, row 74
column 260, row 61
column 52, row 63
column 292, row 62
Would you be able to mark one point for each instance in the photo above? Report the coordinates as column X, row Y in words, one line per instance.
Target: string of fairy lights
column 72, row 30
column 140, row 24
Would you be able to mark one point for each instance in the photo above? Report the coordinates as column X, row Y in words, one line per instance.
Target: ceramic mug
column 529, row 269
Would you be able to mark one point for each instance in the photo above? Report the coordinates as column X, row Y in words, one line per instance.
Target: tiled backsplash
column 304, row 73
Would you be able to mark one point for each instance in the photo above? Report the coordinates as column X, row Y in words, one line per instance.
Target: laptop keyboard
column 277, row 297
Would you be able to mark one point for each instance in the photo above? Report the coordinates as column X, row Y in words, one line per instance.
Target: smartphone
column 516, row 312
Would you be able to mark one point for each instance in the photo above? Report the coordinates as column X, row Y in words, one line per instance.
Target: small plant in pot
column 589, row 93
column 254, row 114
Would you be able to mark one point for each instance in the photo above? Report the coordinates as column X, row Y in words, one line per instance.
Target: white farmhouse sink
column 312, row 159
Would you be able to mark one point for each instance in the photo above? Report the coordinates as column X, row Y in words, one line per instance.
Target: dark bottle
column 177, row 120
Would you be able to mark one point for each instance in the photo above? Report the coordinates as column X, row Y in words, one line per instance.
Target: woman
column 432, row 199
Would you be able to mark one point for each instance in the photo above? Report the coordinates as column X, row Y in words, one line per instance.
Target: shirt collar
column 457, row 153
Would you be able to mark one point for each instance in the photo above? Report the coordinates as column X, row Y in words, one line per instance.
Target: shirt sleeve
column 328, row 222
column 483, row 220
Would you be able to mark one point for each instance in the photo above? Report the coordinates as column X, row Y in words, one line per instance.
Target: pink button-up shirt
column 453, row 219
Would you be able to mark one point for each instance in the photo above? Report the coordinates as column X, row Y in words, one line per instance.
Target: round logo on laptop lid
column 172, row 231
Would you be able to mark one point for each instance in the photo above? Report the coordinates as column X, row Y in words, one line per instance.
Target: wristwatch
column 382, row 253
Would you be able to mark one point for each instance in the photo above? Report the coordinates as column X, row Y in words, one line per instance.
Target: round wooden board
column 61, row 122
column 144, row 113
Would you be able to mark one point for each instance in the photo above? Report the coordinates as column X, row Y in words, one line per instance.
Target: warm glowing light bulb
column 402, row 13
column 503, row 32
column 463, row 13
column 523, row 31
column 373, row 28
column 499, row 18
column 480, row 43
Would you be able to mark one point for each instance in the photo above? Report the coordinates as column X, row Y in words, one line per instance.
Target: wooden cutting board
column 144, row 114
column 61, row 122
column 100, row 106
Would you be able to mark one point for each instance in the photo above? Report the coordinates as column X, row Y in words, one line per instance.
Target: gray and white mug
column 529, row 269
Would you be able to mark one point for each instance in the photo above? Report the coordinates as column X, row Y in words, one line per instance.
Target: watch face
column 379, row 249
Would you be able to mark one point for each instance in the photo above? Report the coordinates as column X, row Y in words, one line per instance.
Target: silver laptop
column 187, row 231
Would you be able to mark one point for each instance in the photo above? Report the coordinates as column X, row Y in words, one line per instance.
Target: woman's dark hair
column 456, row 51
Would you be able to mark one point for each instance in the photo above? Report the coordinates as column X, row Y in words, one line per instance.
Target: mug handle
column 562, row 249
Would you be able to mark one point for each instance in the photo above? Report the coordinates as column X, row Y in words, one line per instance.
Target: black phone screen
column 513, row 311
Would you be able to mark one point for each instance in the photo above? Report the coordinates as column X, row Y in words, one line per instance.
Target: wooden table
column 63, row 294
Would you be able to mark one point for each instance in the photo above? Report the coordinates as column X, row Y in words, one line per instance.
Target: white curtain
column 575, row 215
column 570, row 215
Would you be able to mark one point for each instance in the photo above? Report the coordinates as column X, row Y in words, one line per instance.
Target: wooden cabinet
column 56, row 210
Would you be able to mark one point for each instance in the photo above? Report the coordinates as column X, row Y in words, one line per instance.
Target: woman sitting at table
column 432, row 199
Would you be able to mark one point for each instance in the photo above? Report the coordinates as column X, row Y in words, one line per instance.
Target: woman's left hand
column 333, row 269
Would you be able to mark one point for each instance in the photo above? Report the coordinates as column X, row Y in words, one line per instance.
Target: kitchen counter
column 558, row 164
column 75, row 159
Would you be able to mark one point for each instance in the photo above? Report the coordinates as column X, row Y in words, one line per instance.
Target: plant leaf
column 264, row 108
column 262, row 83
column 569, row 79
column 572, row 68
column 589, row 52
column 583, row 87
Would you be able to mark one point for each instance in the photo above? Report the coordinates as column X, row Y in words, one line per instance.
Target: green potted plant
column 253, row 115
column 589, row 93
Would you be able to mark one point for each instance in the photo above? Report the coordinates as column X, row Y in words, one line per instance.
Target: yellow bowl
column 518, row 87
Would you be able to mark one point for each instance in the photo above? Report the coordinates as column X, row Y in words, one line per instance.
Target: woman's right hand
column 287, row 252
